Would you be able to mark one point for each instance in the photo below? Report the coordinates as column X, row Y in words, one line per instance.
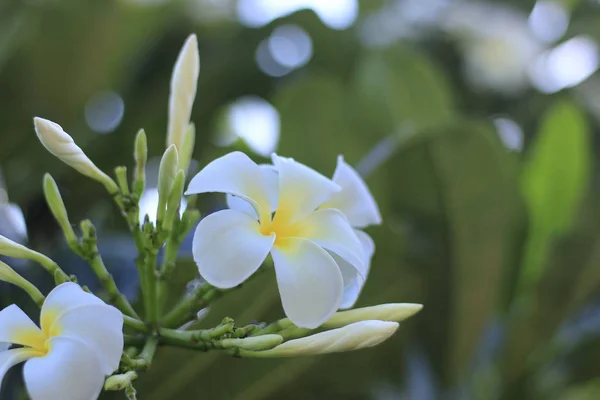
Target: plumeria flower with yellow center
column 79, row 343
column 357, row 203
column 306, row 244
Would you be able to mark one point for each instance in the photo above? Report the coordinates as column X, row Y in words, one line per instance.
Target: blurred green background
column 475, row 125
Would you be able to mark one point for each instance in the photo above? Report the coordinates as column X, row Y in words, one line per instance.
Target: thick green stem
column 106, row 279
column 135, row 324
column 151, row 288
column 189, row 306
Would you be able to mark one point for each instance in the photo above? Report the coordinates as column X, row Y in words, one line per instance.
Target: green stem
column 274, row 327
column 135, row 324
column 107, row 280
column 166, row 270
column 202, row 335
column 146, row 356
column 188, row 307
column 151, row 288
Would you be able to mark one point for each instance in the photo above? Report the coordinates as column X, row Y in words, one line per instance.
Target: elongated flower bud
column 187, row 148
column 7, row 274
column 384, row 312
column 183, row 91
column 140, row 154
column 174, row 200
column 11, row 249
column 166, row 176
column 351, row 337
column 61, row 145
column 57, row 207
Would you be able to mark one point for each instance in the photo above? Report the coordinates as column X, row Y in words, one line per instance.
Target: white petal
column 16, row 327
column 10, row 358
column 70, row 371
column 353, row 281
column 183, row 91
column 301, row 189
column 234, row 173
column 271, row 178
column 310, row 282
column 355, row 200
column 228, row 247
column 330, row 229
column 61, row 299
column 4, row 346
column 99, row 326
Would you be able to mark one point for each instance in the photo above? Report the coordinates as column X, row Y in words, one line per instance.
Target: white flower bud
column 384, row 312
column 351, row 337
column 183, row 92
column 7, row 274
column 61, row 145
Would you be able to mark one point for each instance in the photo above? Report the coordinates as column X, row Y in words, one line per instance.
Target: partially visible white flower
column 498, row 45
column 62, row 146
column 80, row 342
column 357, row 203
column 183, row 92
column 306, row 244
column 351, row 337
column 394, row 312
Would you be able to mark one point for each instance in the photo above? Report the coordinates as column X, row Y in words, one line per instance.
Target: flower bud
column 11, row 249
column 61, row 145
column 255, row 343
column 166, row 176
column 57, row 207
column 140, row 154
column 351, row 337
column 187, row 148
column 383, row 312
column 7, row 274
column 174, row 200
column 183, row 92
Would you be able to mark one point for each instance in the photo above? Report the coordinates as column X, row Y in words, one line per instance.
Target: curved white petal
column 301, row 189
column 16, row 327
column 99, row 326
column 310, row 282
column 183, row 91
column 228, row 247
column 4, row 346
column 10, row 358
column 70, row 371
column 330, row 229
column 234, row 173
column 355, row 200
column 353, row 281
column 61, row 299
column 271, row 178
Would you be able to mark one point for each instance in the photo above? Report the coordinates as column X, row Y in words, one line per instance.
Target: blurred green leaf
column 480, row 219
column 554, row 180
column 401, row 86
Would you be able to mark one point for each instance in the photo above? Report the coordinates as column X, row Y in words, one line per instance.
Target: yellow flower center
column 39, row 339
column 279, row 225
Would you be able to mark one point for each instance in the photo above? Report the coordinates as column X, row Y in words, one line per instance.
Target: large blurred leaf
column 402, row 86
column 554, row 180
column 480, row 218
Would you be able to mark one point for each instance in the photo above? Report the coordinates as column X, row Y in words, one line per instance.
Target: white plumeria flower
column 80, row 342
column 306, row 244
column 356, row 201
